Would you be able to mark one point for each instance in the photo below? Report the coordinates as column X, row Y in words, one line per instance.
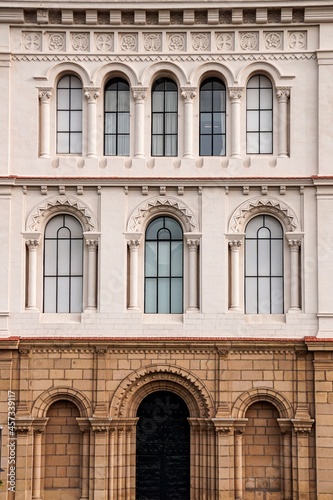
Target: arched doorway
column 163, row 448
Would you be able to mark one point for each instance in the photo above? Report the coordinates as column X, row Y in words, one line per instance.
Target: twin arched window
column 264, row 266
column 63, row 265
column 164, row 266
column 164, row 117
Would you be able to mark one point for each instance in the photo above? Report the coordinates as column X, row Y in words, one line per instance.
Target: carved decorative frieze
column 80, row 41
column 273, row 40
column 32, row 40
column 225, row 41
column 104, row 42
column 248, row 40
column 201, row 41
column 152, row 41
column 176, row 42
column 128, row 42
column 297, row 40
column 56, row 41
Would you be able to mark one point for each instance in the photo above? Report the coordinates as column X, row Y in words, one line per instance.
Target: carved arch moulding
column 144, row 381
column 162, row 205
column 61, row 204
column 255, row 206
column 47, row 398
column 248, row 398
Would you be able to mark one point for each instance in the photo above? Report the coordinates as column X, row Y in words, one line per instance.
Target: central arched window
column 63, row 265
column 69, row 115
column 212, row 118
column 164, row 266
column 117, row 118
column 164, row 118
column 259, row 115
column 264, row 266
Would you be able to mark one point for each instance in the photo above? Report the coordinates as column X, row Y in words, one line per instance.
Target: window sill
column 260, row 319
column 151, row 319
column 60, row 318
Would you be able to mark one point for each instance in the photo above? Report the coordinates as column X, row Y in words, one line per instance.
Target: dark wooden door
column 163, row 448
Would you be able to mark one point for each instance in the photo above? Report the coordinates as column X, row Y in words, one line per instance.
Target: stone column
column 139, row 95
column 84, row 426
column 303, row 429
column 92, row 274
column 38, row 427
column 112, row 463
column 45, row 94
column 235, row 94
column 23, row 459
column 234, row 282
column 286, row 428
column 283, row 94
column 223, row 409
column 223, row 427
column 100, row 428
column 294, row 246
column 92, row 94
column 32, row 245
column 23, row 409
column 239, row 430
column 133, row 246
column 195, row 458
column 188, row 93
column 193, row 246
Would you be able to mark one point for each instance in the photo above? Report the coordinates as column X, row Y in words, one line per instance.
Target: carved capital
column 101, row 350
column 294, row 245
column 283, row 93
column 45, row 94
column 193, row 245
column 234, row 245
column 32, row 244
column 188, row 93
column 24, row 352
column 92, row 245
column 133, row 245
column 235, row 93
column 139, row 93
column 91, row 93
column 302, row 426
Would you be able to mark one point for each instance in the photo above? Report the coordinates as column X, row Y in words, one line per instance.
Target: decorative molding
column 161, row 205
column 246, row 399
column 56, row 204
column 262, row 205
column 91, row 93
column 189, row 387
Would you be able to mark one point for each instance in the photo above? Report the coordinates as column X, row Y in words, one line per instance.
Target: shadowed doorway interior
column 163, row 448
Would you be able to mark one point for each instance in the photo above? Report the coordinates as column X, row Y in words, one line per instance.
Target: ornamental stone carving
column 79, row 18
column 177, row 42
column 200, row 18
column 104, row 42
column 32, row 41
column 103, row 18
column 188, row 93
column 225, row 17
column 200, row 41
column 139, row 93
column 92, row 245
column 235, row 93
column 274, row 16
column 283, row 93
column 249, row 41
column 225, row 41
column 45, row 94
column 80, row 41
column 176, row 18
column 57, row 41
column 152, row 18
column 273, row 41
column 127, row 18
column 297, row 40
column 32, row 244
column 128, row 42
column 152, row 41
column 91, row 93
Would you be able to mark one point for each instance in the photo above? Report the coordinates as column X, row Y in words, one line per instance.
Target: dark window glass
column 69, row 115
column 259, row 116
column 117, row 118
column 164, row 118
column 212, row 118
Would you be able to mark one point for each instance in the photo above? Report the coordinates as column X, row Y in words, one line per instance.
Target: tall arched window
column 164, row 266
column 212, row 118
column 117, row 118
column 264, row 266
column 69, row 115
column 63, row 265
column 259, row 115
column 164, row 118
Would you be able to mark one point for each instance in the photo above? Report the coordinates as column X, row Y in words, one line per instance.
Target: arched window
column 63, row 265
column 164, row 266
column 117, row 118
column 259, row 115
column 212, row 118
column 264, row 266
column 69, row 115
column 164, row 118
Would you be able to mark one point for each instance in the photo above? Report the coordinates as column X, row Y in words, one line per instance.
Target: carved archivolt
column 252, row 396
column 259, row 205
column 153, row 378
column 161, row 205
column 57, row 204
column 47, row 398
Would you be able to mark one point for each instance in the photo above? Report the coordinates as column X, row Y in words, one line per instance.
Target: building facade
column 166, row 194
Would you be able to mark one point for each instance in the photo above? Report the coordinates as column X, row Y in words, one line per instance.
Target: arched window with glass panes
column 264, row 266
column 164, row 124
column 259, row 115
column 69, row 115
column 212, row 118
column 164, row 266
column 117, row 118
column 63, row 265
